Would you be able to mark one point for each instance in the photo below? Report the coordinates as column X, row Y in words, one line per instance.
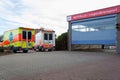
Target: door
column 26, row 39
column 48, row 40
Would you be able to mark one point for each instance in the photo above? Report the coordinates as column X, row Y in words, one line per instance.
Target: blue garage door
column 100, row 30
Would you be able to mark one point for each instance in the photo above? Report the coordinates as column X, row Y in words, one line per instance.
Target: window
column 45, row 36
column 24, row 34
column 96, row 24
column 1, row 39
column 50, row 36
column 29, row 35
column 98, row 30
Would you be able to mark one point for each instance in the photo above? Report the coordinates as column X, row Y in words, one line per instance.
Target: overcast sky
column 49, row 14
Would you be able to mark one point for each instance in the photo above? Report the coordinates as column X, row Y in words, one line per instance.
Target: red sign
column 101, row 12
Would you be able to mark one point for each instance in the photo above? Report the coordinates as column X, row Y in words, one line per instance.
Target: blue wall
column 99, row 30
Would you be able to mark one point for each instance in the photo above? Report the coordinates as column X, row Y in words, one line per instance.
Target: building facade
column 99, row 27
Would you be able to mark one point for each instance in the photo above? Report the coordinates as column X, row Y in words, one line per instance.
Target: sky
column 50, row 14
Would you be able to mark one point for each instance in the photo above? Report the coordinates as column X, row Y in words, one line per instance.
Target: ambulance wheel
column 36, row 50
column 25, row 51
column 14, row 51
column 39, row 49
column 50, row 50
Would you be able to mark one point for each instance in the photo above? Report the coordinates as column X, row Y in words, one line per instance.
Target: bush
column 61, row 42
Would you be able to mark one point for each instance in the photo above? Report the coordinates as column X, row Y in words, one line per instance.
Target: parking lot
column 60, row 65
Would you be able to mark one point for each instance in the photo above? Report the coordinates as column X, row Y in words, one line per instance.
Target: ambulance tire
column 50, row 50
column 37, row 50
column 15, row 51
column 25, row 51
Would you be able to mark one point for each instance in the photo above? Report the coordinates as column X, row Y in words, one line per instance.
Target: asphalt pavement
column 60, row 65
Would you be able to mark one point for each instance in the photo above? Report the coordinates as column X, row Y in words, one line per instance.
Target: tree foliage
column 62, row 42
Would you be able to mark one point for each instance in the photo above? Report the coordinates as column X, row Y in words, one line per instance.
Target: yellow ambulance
column 19, row 39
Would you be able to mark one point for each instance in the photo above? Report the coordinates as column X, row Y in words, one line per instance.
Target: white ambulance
column 44, row 40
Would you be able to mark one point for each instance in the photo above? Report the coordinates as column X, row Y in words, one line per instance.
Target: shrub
column 62, row 42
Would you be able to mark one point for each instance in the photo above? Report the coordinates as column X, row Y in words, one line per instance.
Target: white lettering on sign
column 101, row 12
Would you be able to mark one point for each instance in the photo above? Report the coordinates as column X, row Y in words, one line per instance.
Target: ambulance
column 19, row 39
column 44, row 40
column 1, row 43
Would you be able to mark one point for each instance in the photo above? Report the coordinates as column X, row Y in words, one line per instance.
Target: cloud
column 45, row 13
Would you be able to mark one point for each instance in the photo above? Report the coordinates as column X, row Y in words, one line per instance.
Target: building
column 99, row 27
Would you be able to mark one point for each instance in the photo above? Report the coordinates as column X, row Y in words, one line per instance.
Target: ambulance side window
column 45, row 36
column 1, row 39
column 24, row 34
column 50, row 36
column 29, row 35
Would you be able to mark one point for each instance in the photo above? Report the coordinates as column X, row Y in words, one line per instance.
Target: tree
column 62, row 42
